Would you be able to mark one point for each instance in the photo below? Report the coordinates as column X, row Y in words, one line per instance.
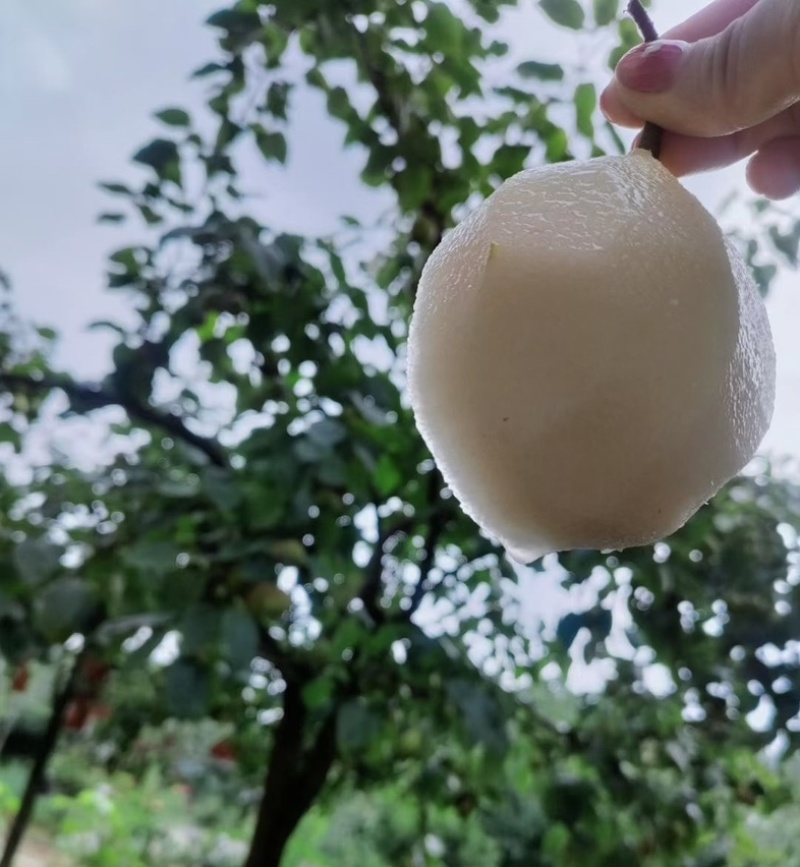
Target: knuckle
column 726, row 78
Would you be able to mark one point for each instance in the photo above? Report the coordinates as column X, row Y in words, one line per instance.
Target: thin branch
column 652, row 135
column 373, row 573
column 373, row 577
column 90, row 396
column 643, row 21
column 422, row 587
column 436, row 527
column 290, row 667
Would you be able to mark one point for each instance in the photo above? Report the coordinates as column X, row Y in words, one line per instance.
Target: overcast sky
column 79, row 80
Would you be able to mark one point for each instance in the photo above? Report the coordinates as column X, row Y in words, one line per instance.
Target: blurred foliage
column 262, row 543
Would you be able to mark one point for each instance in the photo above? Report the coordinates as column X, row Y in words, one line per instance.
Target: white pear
column 589, row 359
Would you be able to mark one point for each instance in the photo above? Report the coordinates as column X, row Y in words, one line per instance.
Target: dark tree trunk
column 61, row 698
column 295, row 777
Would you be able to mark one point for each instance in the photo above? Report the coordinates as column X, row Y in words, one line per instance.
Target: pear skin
column 589, row 360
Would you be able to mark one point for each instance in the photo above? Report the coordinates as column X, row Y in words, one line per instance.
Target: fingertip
column 774, row 170
column 615, row 110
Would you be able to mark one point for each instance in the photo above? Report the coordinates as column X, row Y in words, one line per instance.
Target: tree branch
column 652, row 135
column 90, row 396
column 436, row 527
column 291, row 668
column 373, row 573
column 62, row 695
column 373, row 578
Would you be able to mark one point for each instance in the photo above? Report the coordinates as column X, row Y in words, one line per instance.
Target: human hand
column 724, row 85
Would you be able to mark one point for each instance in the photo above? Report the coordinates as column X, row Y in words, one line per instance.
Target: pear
column 589, row 359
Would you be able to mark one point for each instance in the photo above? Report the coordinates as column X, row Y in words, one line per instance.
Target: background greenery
column 258, row 628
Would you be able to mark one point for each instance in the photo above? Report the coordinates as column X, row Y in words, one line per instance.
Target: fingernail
column 651, row 67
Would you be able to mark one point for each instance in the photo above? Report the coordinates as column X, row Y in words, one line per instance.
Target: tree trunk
column 295, row 777
column 19, row 825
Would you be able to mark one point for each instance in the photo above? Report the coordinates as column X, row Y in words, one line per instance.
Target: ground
column 37, row 852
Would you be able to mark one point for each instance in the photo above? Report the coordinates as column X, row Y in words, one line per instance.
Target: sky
column 79, row 81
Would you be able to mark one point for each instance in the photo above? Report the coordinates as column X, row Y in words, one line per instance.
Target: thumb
column 742, row 76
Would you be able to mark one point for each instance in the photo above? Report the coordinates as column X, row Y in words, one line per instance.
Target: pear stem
column 652, row 135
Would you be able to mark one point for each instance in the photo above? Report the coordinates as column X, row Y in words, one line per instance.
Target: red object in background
column 95, row 671
column 81, row 713
column 98, row 713
column 19, row 681
column 76, row 715
column 224, row 751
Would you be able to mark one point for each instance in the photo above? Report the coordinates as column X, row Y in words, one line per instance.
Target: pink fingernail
column 650, row 68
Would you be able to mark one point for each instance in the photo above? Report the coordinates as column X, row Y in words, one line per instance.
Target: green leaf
column 240, row 639
column 556, row 841
column 339, row 104
column 9, row 434
column 327, row 433
column 36, row 560
column 308, row 451
column 199, row 630
column 179, row 489
column 221, row 488
column 318, row 692
column 585, row 105
column 629, row 37
column 188, row 690
column 271, row 144
column 65, row 607
column 152, row 557
column 542, row 71
column 487, row 9
column 482, row 714
column 315, row 78
column 444, row 29
column 240, row 24
column 567, row 13
column 277, row 98
column 557, row 146
column 387, row 476
column 209, row 69
column 786, row 243
column 174, row 117
column 357, row 726
column 510, row 159
column 376, row 171
column 568, row 629
column 125, row 258
column 605, row 11
column 413, row 186
column 115, row 189
column 157, row 155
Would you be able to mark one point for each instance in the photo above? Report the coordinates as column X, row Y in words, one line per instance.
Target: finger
column 709, row 21
column 686, row 155
column 774, row 171
column 615, row 110
column 721, row 84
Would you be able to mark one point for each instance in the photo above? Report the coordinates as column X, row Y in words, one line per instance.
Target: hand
column 724, row 85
